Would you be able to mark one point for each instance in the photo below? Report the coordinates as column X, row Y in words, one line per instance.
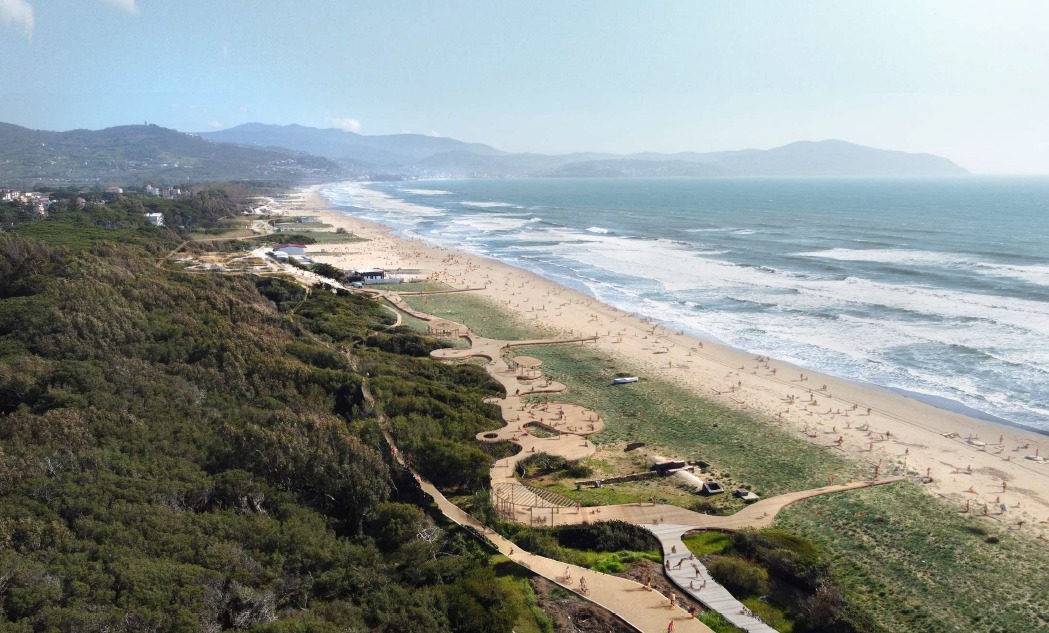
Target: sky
column 965, row 80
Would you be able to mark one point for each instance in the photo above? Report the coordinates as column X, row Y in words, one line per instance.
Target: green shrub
column 739, row 576
column 606, row 536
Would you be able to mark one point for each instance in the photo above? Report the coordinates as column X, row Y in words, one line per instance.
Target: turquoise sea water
column 937, row 287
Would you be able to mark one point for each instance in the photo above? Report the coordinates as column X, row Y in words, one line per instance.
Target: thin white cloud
column 435, row 134
column 131, row 6
column 18, row 12
column 346, row 124
column 216, row 124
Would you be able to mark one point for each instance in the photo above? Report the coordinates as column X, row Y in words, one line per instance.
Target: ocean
column 939, row 288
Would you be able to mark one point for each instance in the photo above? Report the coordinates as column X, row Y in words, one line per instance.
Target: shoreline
column 905, row 430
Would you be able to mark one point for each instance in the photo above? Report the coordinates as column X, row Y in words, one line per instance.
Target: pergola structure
column 444, row 329
column 525, row 366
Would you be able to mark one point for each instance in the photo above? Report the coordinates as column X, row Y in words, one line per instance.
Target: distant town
column 40, row 201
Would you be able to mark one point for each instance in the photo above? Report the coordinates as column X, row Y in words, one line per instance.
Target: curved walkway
column 646, row 610
column 566, row 429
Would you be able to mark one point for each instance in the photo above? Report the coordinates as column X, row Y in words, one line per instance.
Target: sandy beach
column 972, row 463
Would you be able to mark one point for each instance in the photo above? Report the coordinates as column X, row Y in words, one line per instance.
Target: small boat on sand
column 624, row 380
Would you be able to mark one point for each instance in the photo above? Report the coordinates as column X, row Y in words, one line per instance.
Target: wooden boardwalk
column 693, row 578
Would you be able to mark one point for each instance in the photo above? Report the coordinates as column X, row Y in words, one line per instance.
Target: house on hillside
column 156, row 219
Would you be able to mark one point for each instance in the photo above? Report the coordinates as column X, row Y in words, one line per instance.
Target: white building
column 156, row 219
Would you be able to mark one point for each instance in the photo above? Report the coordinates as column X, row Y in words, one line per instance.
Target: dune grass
column 916, row 564
column 481, row 315
column 904, row 560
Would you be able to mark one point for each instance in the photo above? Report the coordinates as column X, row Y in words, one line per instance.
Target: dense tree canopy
column 180, row 452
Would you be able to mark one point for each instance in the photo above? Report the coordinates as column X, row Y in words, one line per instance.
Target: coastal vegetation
column 195, row 452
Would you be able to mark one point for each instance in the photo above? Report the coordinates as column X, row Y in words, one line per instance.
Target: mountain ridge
column 428, row 156
column 295, row 153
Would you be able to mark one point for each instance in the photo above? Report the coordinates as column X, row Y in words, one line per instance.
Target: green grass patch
column 704, row 543
column 479, row 314
column 620, row 493
column 771, row 615
column 531, row 618
column 718, row 623
column 610, row 562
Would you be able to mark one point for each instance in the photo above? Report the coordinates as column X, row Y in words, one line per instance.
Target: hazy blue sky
column 968, row 80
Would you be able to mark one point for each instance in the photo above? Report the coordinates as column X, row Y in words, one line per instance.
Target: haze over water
column 936, row 287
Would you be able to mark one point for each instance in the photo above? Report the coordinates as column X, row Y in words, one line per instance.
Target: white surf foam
column 489, row 223
column 888, row 256
column 357, row 194
column 427, row 192
column 1035, row 274
column 488, row 205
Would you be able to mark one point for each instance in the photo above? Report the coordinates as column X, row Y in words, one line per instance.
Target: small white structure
column 156, row 219
column 291, row 249
column 371, row 275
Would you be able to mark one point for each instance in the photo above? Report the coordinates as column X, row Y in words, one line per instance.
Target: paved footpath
column 700, row 585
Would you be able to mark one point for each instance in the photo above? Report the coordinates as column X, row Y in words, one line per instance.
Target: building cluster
column 39, row 201
column 161, row 192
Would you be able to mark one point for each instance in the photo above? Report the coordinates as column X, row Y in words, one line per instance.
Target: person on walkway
column 670, row 627
column 673, row 599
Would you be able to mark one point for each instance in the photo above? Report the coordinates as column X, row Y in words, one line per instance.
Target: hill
column 831, row 158
column 827, row 158
column 383, row 151
column 133, row 154
column 427, row 156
